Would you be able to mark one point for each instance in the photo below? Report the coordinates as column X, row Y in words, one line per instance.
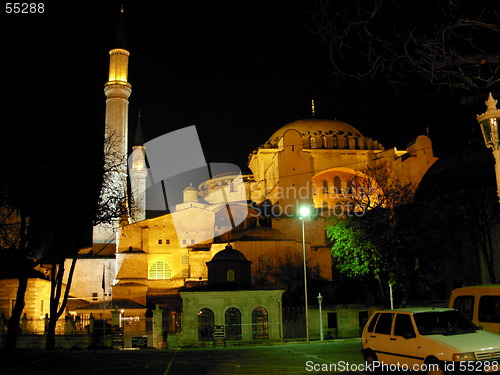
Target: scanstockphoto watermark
column 387, row 368
column 341, row 209
column 354, row 193
column 370, row 367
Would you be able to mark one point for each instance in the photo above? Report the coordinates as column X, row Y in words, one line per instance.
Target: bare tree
column 111, row 209
column 376, row 186
column 451, row 44
column 113, row 205
column 63, row 239
column 56, row 232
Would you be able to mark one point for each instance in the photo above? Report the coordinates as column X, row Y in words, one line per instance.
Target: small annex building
column 229, row 307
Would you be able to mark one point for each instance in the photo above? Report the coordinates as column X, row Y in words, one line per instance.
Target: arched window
column 325, row 205
column 233, row 324
column 325, row 187
column 230, row 275
column 324, row 141
column 260, row 324
column 205, row 325
column 160, row 270
column 337, row 186
column 335, row 142
column 312, row 142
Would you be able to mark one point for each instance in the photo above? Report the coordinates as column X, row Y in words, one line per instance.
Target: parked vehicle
column 480, row 304
column 430, row 340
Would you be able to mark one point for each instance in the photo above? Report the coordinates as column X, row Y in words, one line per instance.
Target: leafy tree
column 373, row 239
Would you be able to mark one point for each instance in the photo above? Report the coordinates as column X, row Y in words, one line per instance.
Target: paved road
column 294, row 359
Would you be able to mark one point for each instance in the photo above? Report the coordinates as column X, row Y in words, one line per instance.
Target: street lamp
column 489, row 121
column 304, row 213
column 320, row 299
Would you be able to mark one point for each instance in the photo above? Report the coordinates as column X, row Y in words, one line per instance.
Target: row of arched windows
column 342, row 142
column 232, row 324
column 337, row 186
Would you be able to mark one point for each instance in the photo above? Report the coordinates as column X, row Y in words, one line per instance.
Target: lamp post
column 304, row 213
column 320, row 299
column 489, row 122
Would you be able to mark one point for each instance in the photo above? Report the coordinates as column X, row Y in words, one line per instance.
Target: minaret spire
column 138, row 175
column 120, row 34
column 117, row 90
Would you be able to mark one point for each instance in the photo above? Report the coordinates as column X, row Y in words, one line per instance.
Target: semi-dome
column 331, row 134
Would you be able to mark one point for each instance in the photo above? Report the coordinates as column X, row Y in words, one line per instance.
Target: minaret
column 138, row 175
column 117, row 91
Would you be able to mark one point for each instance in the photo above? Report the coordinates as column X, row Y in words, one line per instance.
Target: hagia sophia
column 149, row 260
column 188, row 261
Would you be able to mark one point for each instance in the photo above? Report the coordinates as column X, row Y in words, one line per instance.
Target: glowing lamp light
column 304, row 212
column 489, row 121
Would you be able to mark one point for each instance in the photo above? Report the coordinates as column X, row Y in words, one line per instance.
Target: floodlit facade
column 146, row 262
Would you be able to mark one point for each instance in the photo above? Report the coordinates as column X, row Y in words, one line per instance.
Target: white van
column 480, row 304
column 427, row 339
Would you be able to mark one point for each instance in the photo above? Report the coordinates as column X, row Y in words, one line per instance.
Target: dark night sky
column 236, row 70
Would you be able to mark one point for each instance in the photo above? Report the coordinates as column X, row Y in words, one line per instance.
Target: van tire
column 370, row 358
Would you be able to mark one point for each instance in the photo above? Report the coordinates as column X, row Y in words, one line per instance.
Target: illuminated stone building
column 312, row 161
column 148, row 260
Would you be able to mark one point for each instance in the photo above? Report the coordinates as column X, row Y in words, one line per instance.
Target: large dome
column 312, row 126
column 330, row 134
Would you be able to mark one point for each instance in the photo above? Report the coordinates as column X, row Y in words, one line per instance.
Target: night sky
column 238, row 70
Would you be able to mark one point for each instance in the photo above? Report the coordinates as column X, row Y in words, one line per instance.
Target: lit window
column 325, row 186
column 160, row 270
column 260, row 324
column 312, row 142
column 337, row 186
column 230, row 275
